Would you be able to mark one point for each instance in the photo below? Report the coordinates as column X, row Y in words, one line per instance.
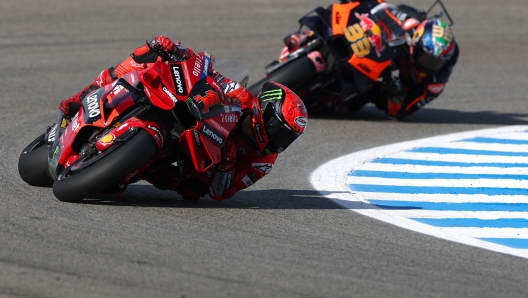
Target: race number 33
column 358, row 41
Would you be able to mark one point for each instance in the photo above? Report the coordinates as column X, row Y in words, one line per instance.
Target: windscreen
column 390, row 20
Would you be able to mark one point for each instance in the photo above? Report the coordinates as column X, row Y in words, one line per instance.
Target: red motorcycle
column 168, row 114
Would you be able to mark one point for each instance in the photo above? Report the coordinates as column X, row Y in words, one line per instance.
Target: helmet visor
column 426, row 62
column 280, row 134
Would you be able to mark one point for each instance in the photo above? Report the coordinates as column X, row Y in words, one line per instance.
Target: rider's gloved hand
column 297, row 39
column 160, row 48
column 161, row 45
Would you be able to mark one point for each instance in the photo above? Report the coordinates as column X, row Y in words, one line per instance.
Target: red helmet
column 279, row 117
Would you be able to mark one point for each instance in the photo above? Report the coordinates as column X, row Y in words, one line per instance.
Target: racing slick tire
column 33, row 164
column 292, row 75
column 109, row 169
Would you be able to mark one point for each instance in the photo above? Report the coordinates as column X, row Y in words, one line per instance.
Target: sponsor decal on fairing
column 116, row 90
column 229, row 118
column 174, row 99
column 206, row 67
column 218, row 126
column 197, row 68
column 186, row 76
column 228, row 109
column 196, row 137
column 158, row 133
column 92, row 108
column 52, row 133
column 213, row 134
column 75, row 123
column 178, row 78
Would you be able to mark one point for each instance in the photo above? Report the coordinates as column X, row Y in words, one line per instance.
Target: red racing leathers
column 242, row 165
column 250, row 164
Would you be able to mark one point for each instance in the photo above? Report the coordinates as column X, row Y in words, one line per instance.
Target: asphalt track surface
column 280, row 238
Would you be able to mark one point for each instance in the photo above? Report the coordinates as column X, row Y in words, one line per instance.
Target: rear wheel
column 291, row 75
column 75, row 186
column 33, row 163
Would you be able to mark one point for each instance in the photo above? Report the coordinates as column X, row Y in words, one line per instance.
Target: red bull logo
column 373, row 32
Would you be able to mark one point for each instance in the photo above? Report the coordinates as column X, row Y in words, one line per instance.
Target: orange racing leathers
column 374, row 60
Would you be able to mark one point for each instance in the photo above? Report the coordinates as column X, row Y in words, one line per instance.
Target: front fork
column 53, row 137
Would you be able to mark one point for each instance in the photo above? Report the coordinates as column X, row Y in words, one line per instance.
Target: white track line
column 330, row 180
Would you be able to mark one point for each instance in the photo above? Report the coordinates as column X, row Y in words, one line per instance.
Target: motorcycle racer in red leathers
column 269, row 123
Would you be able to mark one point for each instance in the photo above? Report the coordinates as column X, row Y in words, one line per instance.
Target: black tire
column 291, row 75
column 33, row 164
column 103, row 173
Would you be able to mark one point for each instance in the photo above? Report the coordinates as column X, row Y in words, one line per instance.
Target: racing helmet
column 279, row 117
column 432, row 46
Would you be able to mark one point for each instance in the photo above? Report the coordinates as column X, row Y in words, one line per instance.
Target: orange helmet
column 279, row 117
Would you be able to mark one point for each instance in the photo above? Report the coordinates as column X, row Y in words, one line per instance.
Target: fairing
column 111, row 115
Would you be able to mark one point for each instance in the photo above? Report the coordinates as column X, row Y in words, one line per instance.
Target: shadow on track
column 149, row 196
column 433, row 116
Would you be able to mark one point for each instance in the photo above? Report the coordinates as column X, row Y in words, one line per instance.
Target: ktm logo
column 338, row 18
column 204, row 102
column 365, row 67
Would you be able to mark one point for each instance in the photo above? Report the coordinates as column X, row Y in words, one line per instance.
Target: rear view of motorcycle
column 165, row 114
column 342, row 51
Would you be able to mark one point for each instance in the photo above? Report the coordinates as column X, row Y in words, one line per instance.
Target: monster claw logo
column 205, row 102
column 275, row 94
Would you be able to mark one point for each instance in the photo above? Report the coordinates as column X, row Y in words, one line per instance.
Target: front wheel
column 291, row 75
column 107, row 170
column 33, row 163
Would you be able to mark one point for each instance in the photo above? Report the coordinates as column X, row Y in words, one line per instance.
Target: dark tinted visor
column 426, row 62
column 280, row 134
